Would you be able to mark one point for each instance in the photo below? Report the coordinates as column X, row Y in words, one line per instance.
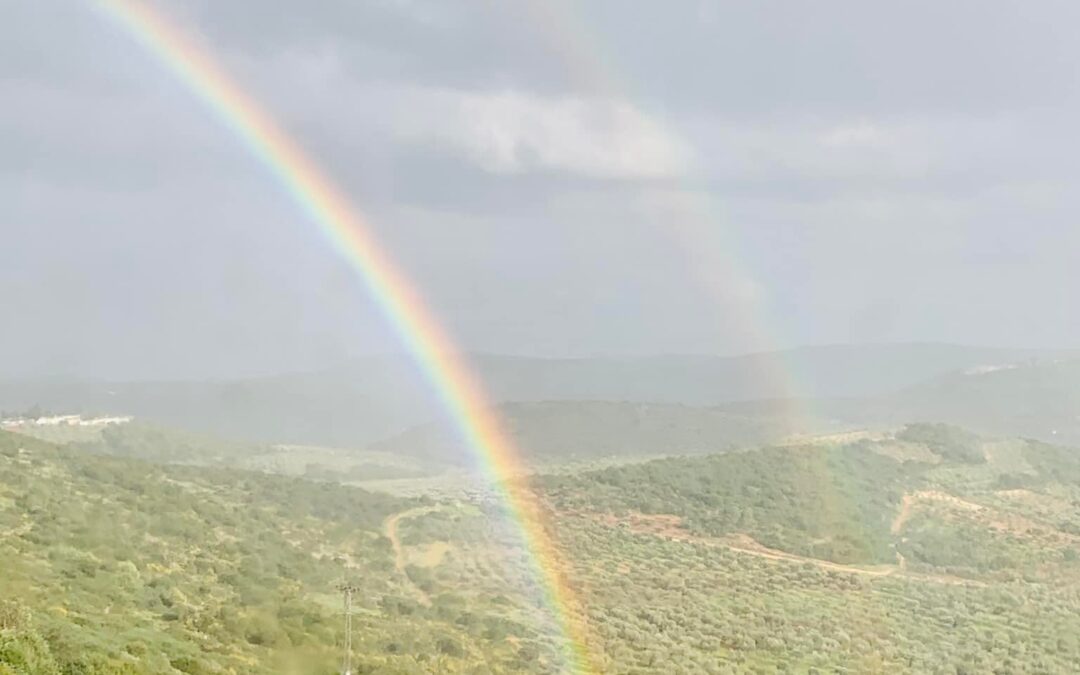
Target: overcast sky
column 610, row 178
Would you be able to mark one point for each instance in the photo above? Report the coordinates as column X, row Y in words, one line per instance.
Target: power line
column 347, row 591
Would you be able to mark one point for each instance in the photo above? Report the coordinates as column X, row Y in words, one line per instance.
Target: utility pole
column 347, row 591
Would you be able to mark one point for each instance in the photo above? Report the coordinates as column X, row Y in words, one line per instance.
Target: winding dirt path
column 671, row 527
column 390, row 529
column 909, row 500
column 903, row 515
column 743, row 543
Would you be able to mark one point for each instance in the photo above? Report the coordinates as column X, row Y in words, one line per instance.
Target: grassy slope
column 989, row 575
column 230, row 575
column 826, row 502
column 121, row 565
column 836, row 502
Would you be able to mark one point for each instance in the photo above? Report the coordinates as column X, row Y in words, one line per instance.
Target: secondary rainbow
column 695, row 222
column 398, row 299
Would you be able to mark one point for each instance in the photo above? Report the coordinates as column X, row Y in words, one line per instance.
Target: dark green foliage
column 951, row 443
column 826, row 502
column 22, row 649
column 1053, row 463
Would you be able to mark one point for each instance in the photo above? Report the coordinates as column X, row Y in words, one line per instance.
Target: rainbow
column 696, row 222
column 399, row 301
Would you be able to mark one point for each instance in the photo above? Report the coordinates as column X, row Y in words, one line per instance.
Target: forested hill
column 854, row 502
column 832, row 503
column 114, row 565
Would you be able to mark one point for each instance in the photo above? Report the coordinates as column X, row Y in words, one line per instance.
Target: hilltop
column 1033, row 399
column 1036, row 400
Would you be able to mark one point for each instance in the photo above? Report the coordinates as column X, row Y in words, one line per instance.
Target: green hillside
column 116, row 565
column 927, row 550
column 846, row 503
column 826, row 502
column 901, row 553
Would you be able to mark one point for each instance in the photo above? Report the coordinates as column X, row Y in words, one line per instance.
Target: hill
column 845, row 502
column 373, row 398
column 117, row 565
column 829, row 502
column 926, row 550
column 579, row 431
column 139, row 440
column 929, row 549
column 1036, row 400
column 1033, row 399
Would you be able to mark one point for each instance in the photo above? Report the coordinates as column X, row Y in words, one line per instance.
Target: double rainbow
column 402, row 305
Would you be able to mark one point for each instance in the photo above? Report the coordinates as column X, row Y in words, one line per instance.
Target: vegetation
column 891, row 553
column 727, row 563
column 949, row 442
column 827, row 502
column 140, row 440
column 156, row 444
column 671, row 605
column 116, row 565
column 580, row 431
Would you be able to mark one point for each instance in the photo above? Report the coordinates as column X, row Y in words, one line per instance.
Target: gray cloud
column 560, row 178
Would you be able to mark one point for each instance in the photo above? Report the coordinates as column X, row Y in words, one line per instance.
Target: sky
column 558, row 179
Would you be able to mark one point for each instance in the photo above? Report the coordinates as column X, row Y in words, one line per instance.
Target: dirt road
column 671, row 527
column 390, row 529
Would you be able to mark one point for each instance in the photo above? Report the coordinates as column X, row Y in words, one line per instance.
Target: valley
column 852, row 550
column 717, row 539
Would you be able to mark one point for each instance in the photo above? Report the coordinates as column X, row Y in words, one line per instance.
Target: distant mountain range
column 376, row 399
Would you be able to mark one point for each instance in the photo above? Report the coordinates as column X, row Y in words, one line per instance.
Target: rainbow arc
column 400, row 301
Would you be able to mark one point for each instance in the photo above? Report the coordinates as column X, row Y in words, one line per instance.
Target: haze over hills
column 564, row 431
column 1032, row 399
column 1036, row 400
column 372, row 399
